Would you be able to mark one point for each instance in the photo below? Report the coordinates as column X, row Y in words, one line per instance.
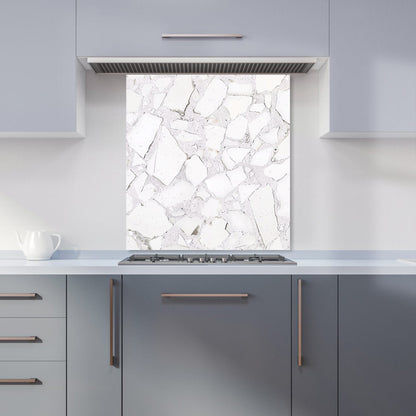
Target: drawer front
column 32, row 339
column 32, row 296
column 223, row 341
column 44, row 398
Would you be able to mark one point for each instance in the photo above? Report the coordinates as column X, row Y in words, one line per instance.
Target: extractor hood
column 204, row 65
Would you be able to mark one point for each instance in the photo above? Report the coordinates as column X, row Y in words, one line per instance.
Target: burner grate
column 205, row 258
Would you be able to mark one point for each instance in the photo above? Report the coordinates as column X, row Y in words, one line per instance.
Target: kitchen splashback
column 208, row 162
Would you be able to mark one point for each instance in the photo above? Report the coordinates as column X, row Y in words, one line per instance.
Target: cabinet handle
column 25, row 381
column 19, row 339
column 201, row 36
column 205, row 295
column 8, row 296
column 299, row 322
column 112, row 358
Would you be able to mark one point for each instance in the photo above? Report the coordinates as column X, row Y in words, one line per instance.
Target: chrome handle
column 19, row 339
column 205, row 295
column 18, row 296
column 201, row 36
column 299, row 322
column 112, row 358
column 25, row 381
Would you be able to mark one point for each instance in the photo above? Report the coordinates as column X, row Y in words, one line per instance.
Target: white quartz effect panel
column 143, row 133
column 178, row 96
column 208, row 162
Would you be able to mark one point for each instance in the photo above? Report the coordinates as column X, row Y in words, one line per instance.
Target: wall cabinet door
column 40, row 81
column 314, row 382
column 94, row 385
column 186, row 356
column 372, row 69
column 269, row 27
column 377, row 344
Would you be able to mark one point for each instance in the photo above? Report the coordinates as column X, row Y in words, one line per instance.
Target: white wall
column 346, row 195
column 74, row 187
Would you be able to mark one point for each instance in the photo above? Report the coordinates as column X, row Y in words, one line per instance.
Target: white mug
column 38, row 245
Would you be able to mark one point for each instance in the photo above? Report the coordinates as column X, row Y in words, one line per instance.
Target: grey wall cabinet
column 314, row 383
column 372, row 68
column 42, row 82
column 377, row 344
column 202, row 355
column 269, row 27
column 94, row 385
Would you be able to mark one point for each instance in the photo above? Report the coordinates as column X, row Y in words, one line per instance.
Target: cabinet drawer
column 32, row 296
column 32, row 339
column 44, row 398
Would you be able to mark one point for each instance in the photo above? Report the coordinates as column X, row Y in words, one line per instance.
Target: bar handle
column 112, row 358
column 205, row 295
column 19, row 339
column 25, row 381
column 201, row 36
column 300, row 323
column 11, row 296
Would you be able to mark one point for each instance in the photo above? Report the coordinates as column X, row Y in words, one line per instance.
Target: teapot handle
column 19, row 239
column 58, row 242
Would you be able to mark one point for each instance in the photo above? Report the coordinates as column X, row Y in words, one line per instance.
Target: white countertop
column 110, row 266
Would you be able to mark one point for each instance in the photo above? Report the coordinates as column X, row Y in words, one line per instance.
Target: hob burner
column 206, row 258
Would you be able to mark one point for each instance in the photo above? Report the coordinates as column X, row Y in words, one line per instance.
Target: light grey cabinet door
column 377, row 344
column 269, row 27
column 94, row 385
column 206, row 356
column 372, row 69
column 38, row 80
column 314, row 383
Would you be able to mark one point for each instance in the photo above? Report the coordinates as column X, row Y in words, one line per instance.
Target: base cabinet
column 377, row 345
column 225, row 345
column 314, row 359
column 32, row 345
column 192, row 354
column 93, row 384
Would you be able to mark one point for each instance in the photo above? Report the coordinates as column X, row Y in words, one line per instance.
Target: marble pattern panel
column 208, row 162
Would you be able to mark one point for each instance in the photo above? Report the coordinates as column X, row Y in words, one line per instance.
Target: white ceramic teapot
column 38, row 245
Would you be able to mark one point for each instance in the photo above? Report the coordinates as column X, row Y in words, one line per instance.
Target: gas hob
column 206, row 258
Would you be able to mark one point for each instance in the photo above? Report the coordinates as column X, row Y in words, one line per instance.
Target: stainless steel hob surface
column 206, row 258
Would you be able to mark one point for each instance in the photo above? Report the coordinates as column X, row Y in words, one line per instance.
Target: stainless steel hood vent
column 200, row 66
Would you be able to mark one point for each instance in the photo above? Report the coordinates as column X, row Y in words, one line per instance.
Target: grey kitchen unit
column 314, row 345
column 42, row 83
column 206, row 345
column 372, row 68
column 94, row 335
column 301, row 345
column 32, row 345
column 377, row 345
column 269, row 28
